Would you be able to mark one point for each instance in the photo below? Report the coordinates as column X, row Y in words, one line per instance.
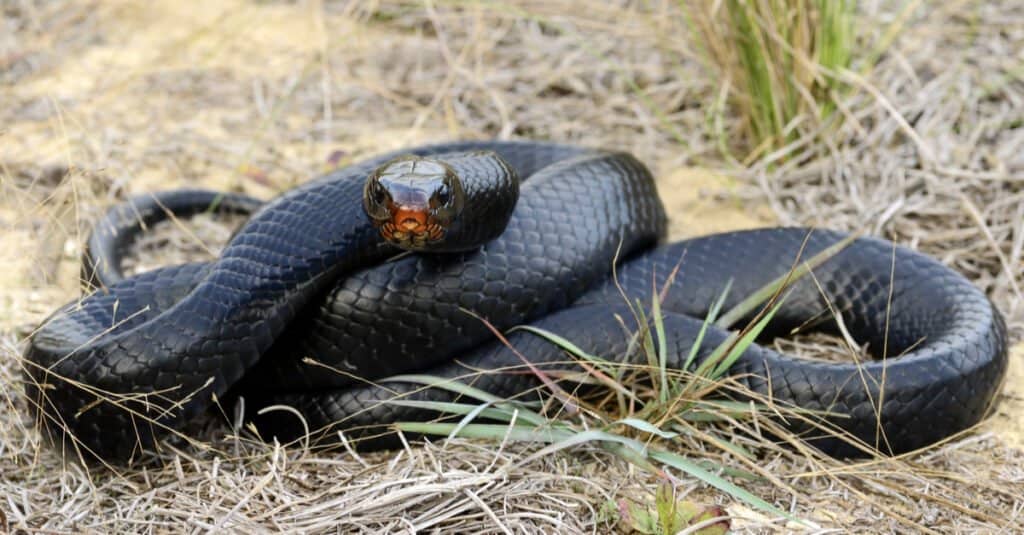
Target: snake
column 312, row 305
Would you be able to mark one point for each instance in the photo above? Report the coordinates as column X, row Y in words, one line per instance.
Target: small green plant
column 777, row 62
column 669, row 515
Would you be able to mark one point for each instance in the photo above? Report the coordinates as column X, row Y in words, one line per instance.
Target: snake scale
column 306, row 308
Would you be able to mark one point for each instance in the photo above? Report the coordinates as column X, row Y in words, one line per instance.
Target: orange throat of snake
column 411, row 227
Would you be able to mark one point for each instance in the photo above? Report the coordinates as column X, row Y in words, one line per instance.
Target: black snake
column 307, row 277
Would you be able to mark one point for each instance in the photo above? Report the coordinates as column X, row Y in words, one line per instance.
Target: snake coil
column 306, row 279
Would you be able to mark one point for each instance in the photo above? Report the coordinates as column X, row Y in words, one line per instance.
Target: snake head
column 413, row 201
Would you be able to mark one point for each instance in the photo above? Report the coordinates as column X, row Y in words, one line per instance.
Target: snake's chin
column 417, row 239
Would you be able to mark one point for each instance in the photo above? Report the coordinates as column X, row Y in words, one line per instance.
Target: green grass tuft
column 776, row 60
column 647, row 407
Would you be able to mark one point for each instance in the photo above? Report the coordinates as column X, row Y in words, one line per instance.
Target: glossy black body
column 307, row 280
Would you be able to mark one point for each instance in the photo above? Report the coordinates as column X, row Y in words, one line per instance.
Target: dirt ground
column 99, row 100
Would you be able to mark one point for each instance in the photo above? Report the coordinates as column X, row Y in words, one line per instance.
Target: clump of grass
column 776, row 61
column 647, row 404
column 625, row 429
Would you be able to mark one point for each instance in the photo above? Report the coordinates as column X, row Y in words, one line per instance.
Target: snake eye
column 375, row 199
column 444, row 195
column 447, row 201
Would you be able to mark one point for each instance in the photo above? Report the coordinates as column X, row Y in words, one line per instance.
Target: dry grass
column 128, row 97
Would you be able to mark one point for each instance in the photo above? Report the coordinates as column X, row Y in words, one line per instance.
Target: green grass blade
column 473, row 414
column 726, row 353
column 765, row 293
column 716, row 356
column 646, row 340
column 681, row 463
column 712, row 314
column 445, row 383
column 496, row 432
column 744, row 342
column 485, row 410
column 646, row 427
column 608, row 369
column 563, row 343
column 457, row 387
column 583, row 437
column 662, row 348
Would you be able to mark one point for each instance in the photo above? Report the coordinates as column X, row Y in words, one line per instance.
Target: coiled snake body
column 306, row 277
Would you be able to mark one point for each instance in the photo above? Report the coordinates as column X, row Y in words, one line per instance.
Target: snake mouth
column 411, row 228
